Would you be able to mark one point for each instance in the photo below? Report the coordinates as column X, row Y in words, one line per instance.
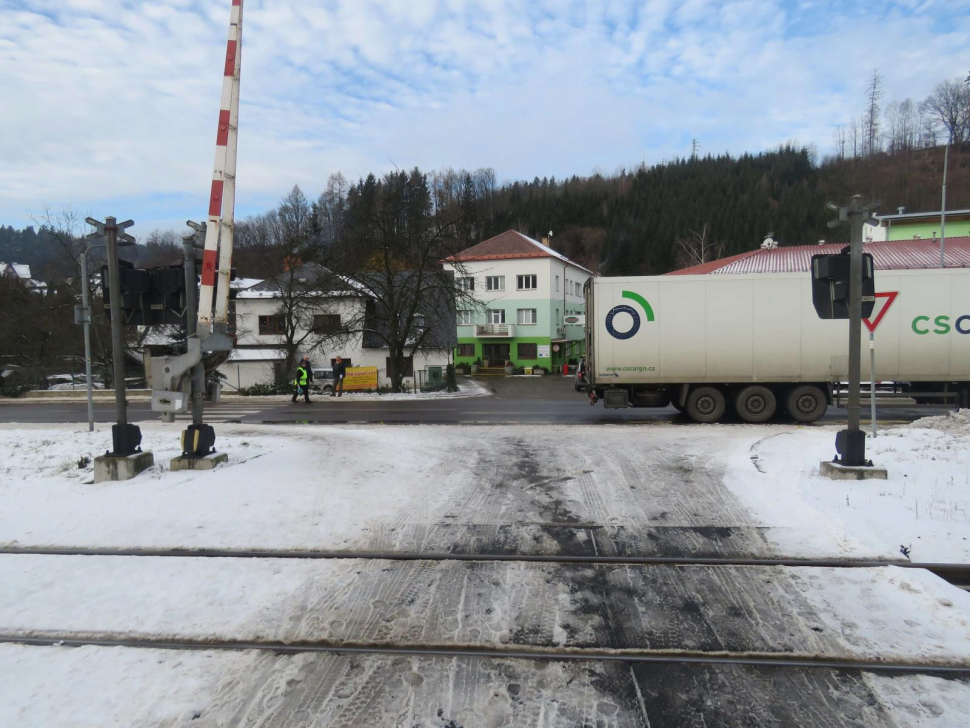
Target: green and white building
column 530, row 308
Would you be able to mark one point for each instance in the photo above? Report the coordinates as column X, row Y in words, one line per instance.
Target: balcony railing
column 495, row 331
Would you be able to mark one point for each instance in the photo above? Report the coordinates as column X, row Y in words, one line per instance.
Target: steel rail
column 571, row 655
column 957, row 574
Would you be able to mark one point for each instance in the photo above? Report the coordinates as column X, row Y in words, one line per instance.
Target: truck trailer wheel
column 705, row 404
column 755, row 403
column 807, row 403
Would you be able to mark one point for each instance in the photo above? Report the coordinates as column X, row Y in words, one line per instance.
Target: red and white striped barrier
column 217, row 257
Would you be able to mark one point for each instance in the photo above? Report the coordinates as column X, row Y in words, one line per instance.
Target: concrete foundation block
column 835, row 471
column 107, row 467
column 204, row 463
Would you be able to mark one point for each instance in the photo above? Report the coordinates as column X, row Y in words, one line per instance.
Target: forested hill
column 629, row 223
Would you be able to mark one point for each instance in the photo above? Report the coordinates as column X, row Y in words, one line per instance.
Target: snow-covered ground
column 90, row 687
column 924, row 506
column 670, row 489
column 756, row 490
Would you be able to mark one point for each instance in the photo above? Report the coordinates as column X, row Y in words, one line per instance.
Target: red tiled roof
column 886, row 255
column 511, row 245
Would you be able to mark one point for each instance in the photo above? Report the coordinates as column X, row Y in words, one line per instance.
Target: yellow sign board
column 358, row 378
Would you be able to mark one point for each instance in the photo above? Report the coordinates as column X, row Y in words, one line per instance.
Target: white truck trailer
column 753, row 343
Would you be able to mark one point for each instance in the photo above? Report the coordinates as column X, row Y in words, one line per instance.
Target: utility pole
column 82, row 315
column 946, row 159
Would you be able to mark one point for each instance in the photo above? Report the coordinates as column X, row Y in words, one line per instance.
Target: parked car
column 322, row 381
column 69, row 382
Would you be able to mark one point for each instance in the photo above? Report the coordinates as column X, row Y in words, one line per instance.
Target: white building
column 259, row 356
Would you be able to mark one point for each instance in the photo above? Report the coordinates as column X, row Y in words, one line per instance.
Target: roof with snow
column 886, row 255
column 512, row 245
column 20, row 270
column 308, row 278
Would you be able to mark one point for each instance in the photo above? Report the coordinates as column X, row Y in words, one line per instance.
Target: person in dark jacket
column 339, row 372
column 304, row 375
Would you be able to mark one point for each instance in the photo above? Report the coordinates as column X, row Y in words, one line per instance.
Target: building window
column 528, row 351
column 496, row 315
column 466, row 350
column 579, row 288
column 326, row 323
column 408, row 367
column 465, row 317
column 495, row 283
column 526, row 283
column 526, row 316
column 557, row 284
column 271, row 325
column 466, row 284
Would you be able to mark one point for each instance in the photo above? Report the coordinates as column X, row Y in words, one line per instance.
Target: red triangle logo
column 888, row 297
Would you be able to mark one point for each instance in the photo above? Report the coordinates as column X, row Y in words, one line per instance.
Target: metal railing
column 495, row 330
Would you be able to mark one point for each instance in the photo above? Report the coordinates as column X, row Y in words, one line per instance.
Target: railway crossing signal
column 848, row 281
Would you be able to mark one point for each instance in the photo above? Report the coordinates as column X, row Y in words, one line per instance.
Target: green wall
column 906, row 231
column 554, row 359
column 540, row 334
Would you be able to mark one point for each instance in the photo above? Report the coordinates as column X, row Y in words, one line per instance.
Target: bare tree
column 840, row 140
column 871, row 118
column 696, row 248
column 948, row 107
column 396, row 239
column 330, row 209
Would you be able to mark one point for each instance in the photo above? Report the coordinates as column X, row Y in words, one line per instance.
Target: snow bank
column 953, row 423
column 923, row 508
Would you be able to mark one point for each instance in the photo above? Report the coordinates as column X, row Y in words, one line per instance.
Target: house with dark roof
column 335, row 316
column 530, row 303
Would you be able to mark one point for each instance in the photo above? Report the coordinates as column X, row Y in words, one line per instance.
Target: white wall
column 242, row 374
column 248, row 311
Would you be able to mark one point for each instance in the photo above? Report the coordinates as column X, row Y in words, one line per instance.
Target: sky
column 110, row 107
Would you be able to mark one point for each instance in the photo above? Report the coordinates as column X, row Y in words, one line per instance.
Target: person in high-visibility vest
column 303, row 377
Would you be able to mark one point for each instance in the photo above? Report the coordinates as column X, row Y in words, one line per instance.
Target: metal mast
column 217, row 257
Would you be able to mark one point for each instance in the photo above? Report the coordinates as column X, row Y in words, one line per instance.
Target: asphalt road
column 520, row 400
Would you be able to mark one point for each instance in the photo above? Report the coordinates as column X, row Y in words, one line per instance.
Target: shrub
column 262, row 390
column 14, row 390
column 450, row 382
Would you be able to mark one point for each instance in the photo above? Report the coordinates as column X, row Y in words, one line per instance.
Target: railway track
column 680, row 657
column 956, row 574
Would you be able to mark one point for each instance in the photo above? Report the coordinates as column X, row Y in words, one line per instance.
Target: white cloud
column 113, row 102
